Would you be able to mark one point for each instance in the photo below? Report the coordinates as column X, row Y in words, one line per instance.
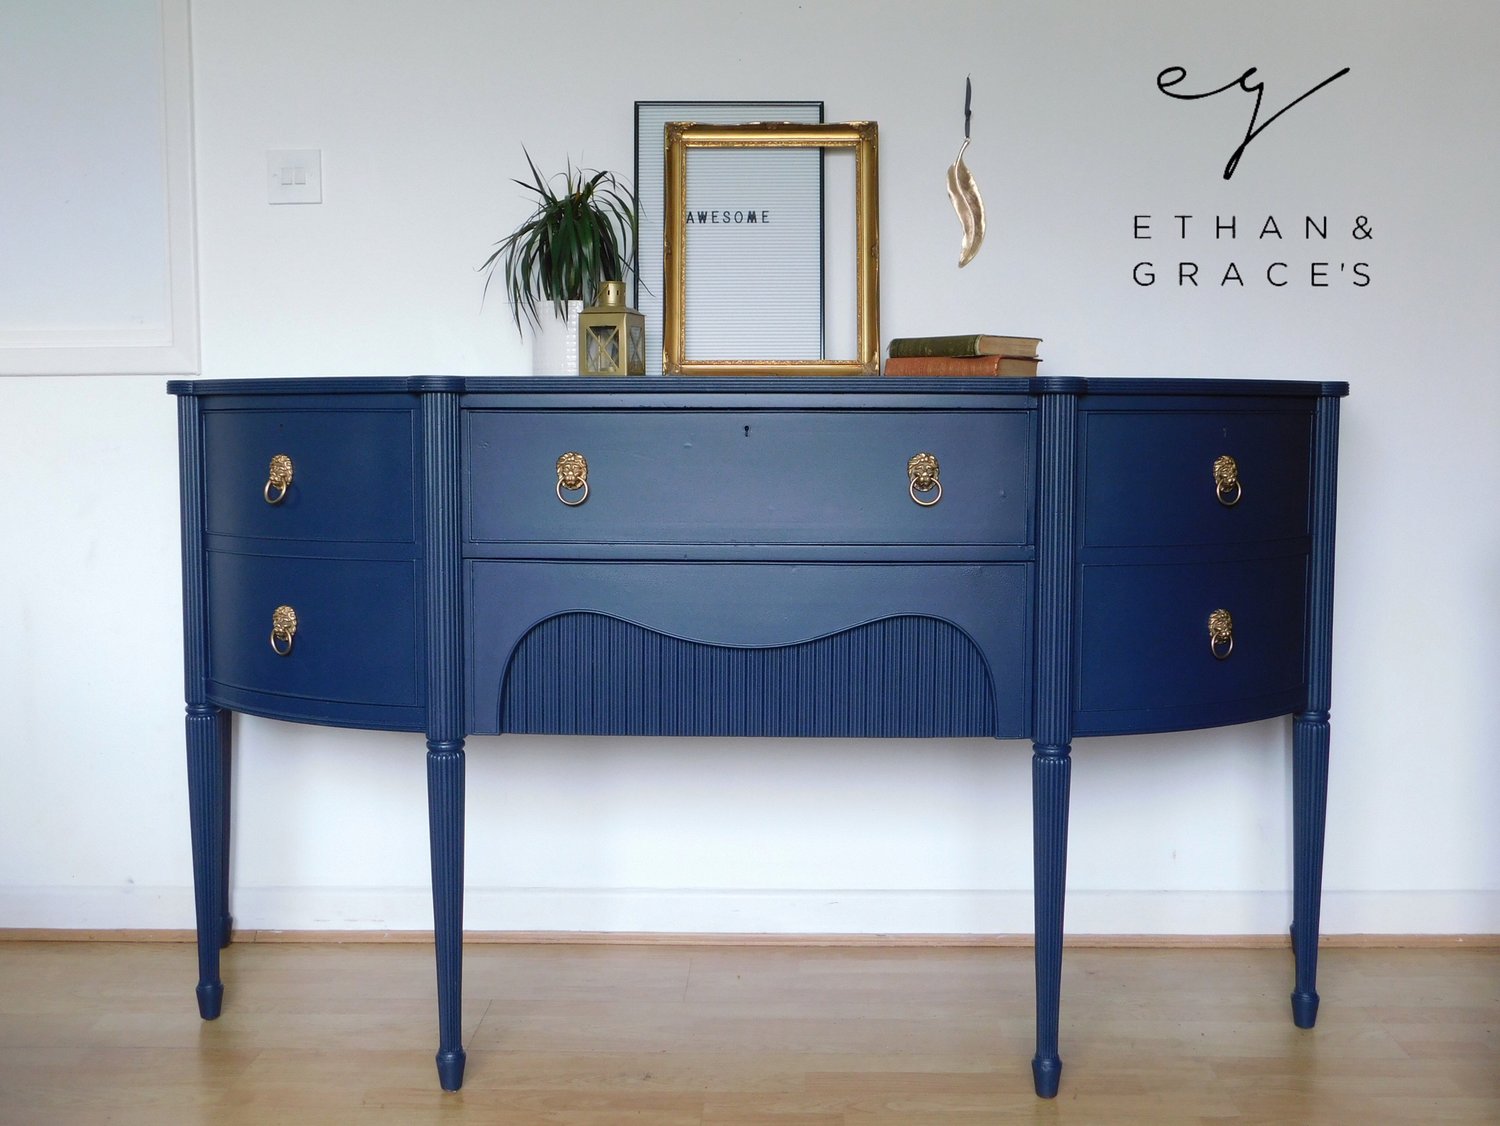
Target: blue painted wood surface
column 750, row 562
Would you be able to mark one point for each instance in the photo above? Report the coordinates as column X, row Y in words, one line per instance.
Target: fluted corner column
column 442, row 554
column 207, row 726
column 1310, row 728
column 1051, row 761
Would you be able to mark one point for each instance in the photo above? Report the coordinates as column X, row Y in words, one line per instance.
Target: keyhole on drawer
column 747, row 431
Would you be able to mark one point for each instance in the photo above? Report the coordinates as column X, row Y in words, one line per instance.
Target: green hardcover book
column 970, row 344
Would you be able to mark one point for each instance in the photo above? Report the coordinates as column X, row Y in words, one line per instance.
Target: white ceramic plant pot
column 554, row 346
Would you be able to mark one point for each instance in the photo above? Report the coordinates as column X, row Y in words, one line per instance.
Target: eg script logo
column 1270, row 233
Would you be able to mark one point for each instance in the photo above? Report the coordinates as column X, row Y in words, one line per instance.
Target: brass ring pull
column 1220, row 634
column 1227, row 485
column 280, row 477
column 283, row 629
column 572, row 475
column 922, row 469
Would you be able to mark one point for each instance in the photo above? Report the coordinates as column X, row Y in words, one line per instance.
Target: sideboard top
column 655, row 389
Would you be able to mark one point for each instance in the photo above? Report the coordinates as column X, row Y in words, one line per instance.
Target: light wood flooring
column 97, row 1032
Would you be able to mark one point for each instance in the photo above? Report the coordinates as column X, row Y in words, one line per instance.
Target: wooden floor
column 721, row 1036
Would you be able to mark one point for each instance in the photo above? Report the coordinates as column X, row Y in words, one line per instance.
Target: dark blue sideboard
column 920, row 558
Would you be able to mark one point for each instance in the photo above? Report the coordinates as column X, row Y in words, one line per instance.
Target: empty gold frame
column 858, row 136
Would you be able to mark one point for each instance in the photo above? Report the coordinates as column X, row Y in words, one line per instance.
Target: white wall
column 421, row 110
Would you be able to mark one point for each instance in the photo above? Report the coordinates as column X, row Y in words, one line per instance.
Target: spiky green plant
column 577, row 238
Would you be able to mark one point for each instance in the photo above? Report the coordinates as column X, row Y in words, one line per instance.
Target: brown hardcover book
column 961, row 365
column 970, row 344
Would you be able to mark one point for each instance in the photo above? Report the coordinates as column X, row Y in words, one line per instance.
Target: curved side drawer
column 1148, row 477
column 1145, row 662
column 749, row 477
column 356, row 639
column 352, row 474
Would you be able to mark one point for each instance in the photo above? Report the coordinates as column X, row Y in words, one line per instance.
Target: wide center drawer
column 748, row 477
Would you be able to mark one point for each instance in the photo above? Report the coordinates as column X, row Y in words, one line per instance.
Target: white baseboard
column 739, row 911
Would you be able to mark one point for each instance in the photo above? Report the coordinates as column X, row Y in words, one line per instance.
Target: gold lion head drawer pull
column 279, row 479
column 573, row 476
column 1227, row 481
column 283, row 629
column 1221, row 634
column 923, row 471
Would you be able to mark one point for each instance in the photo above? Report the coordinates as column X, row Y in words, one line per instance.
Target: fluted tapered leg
column 1309, row 813
column 208, row 808
column 224, row 721
column 445, row 811
column 1051, row 770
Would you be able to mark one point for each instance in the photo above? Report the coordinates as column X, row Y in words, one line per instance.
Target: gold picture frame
column 859, row 136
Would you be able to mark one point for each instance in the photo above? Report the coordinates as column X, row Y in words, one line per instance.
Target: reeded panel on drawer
column 1194, row 477
column 339, row 630
column 749, row 477
column 340, row 476
column 1167, row 646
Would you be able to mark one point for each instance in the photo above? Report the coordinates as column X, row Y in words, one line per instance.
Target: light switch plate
column 294, row 176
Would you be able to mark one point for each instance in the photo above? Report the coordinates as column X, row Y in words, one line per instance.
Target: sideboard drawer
column 1147, row 660
column 1148, row 477
column 352, row 474
column 847, row 650
column 749, row 477
column 355, row 639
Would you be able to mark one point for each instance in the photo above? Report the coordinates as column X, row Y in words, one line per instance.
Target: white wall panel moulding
column 99, row 273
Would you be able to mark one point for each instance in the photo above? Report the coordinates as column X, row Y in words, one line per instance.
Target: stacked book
column 970, row 354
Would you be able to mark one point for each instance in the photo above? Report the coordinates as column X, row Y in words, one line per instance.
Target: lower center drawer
column 778, row 649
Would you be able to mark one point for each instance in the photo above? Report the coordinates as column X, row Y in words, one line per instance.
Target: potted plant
column 579, row 236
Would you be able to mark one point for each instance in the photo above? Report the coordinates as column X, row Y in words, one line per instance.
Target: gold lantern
column 611, row 335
